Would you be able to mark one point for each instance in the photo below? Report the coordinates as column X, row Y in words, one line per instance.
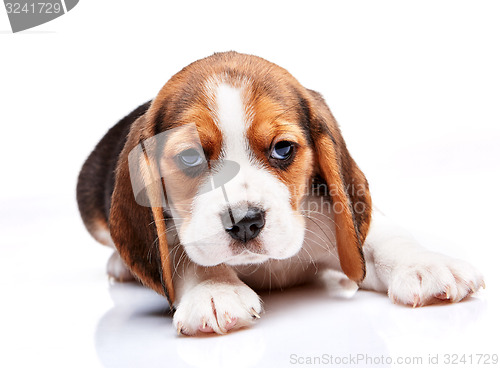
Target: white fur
column 216, row 307
column 103, row 236
column 117, row 270
column 233, row 122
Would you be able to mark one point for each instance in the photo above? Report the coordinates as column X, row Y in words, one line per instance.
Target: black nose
column 248, row 227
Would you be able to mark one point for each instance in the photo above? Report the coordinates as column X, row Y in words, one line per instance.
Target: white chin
column 245, row 258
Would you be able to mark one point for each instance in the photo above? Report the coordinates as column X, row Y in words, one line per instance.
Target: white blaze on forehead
column 232, row 121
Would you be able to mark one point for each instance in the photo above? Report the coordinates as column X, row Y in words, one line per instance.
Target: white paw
column 430, row 277
column 117, row 270
column 216, row 307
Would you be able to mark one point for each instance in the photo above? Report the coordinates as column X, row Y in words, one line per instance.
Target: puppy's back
column 97, row 177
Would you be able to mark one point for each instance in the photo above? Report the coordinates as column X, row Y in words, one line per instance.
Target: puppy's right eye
column 282, row 150
column 190, row 158
column 282, row 154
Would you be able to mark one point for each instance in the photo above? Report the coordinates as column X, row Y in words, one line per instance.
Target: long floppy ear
column 139, row 230
column 347, row 187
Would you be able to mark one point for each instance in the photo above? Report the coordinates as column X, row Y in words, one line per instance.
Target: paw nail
column 483, row 285
column 391, row 297
column 255, row 314
column 416, row 301
column 231, row 324
column 179, row 328
column 228, row 319
column 447, row 292
column 204, row 323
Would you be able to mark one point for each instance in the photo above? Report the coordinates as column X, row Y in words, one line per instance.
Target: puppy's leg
column 412, row 275
column 117, row 270
column 212, row 299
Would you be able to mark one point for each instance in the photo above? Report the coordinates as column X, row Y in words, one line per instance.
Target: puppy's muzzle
column 248, row 227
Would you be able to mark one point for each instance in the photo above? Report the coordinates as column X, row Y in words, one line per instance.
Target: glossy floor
column 59, row 309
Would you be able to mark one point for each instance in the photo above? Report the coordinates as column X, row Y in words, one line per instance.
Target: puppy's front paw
column 216, row 307
column 429, row 277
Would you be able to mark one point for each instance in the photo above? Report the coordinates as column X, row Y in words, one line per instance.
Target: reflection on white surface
column 244, row 349
column 138, row 330
column 298, row 323
column 59, row 309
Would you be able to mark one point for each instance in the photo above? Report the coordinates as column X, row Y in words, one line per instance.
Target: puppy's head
column 234, row 142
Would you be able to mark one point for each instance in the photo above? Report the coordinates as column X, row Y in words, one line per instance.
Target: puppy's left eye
column 190, row 158
column 282, row 150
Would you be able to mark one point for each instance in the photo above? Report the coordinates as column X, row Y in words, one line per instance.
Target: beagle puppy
column 235, row 178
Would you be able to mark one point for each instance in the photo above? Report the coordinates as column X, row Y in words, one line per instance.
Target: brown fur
column 273, row 123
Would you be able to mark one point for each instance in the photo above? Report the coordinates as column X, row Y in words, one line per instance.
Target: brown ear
column 347, row 186
column 139, row 231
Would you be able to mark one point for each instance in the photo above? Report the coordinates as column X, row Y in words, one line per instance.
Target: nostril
column 248, row 227
column 234, row 228
column 253, row 228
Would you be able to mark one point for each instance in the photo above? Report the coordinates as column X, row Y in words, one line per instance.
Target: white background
column 415, row 87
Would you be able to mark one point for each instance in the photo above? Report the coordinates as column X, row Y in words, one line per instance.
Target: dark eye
column 190, row 158
column 282, row 150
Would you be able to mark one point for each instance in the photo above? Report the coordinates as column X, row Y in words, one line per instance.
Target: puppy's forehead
column 231, row 112
column 229, row 97
column 230, row 105
column 248, row 117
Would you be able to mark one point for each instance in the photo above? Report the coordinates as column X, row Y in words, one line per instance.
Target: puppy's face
column 237, row 163
column 241, row 142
